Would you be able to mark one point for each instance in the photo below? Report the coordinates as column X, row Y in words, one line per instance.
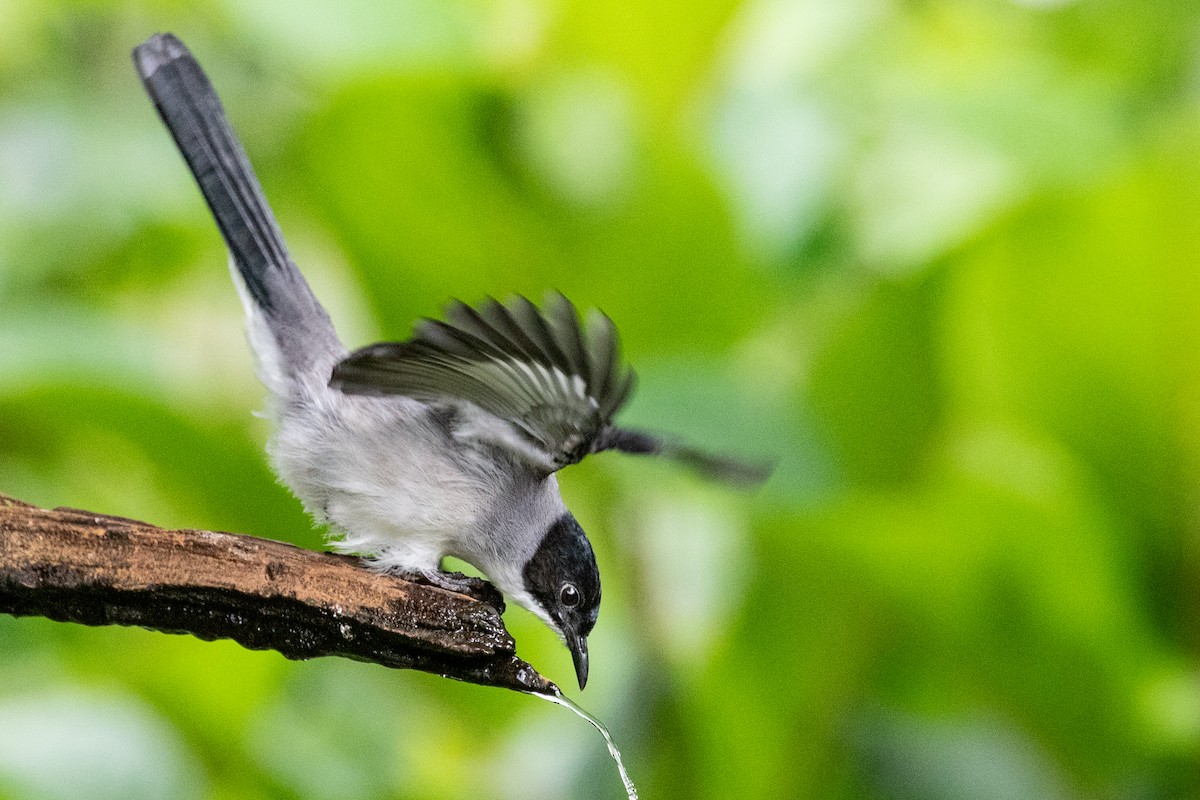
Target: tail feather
column 283, row 305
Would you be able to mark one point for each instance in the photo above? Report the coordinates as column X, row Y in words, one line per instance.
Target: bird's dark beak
column 578, row 646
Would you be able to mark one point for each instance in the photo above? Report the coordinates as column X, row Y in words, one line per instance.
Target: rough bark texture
column 77, row 566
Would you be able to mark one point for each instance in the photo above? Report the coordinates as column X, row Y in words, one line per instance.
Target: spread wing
column 554, row 381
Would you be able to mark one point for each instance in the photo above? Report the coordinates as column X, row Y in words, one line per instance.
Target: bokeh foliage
column 938, row 258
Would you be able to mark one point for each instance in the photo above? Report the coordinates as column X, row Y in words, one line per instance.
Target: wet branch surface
column 77, row 566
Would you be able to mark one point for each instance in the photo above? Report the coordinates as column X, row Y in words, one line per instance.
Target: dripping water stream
column 558, row 699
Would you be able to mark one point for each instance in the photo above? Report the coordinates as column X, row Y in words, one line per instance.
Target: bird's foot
column 475, row 588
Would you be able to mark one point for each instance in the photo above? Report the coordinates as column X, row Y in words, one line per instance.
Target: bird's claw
column 475, row 588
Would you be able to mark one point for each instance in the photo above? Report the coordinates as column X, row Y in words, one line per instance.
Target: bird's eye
column 569, row 595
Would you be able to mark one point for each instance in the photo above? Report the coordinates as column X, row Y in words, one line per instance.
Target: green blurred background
column 939, row 258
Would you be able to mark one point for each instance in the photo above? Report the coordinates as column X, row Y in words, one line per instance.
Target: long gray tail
column 286, row 321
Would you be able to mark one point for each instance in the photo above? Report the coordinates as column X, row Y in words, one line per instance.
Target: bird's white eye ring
column 569, row 595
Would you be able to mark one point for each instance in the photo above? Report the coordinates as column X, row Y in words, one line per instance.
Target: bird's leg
column 425, row 568
column 476, row 588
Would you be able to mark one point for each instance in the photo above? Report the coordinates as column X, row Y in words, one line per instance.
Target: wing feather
column 534, row 326
column 564, row 319
column 603, row 353
column 508, row 330
column 554, row 382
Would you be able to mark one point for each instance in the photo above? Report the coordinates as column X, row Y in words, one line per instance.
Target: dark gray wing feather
column 565, row 321
column 554, row 382
column 710, row 465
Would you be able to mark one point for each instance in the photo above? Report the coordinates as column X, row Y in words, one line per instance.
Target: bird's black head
column 562, row 576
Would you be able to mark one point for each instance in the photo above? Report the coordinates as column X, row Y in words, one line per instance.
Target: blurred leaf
column 69, row 745
column 981, row 760
column 215, row 476
column 938, row 258
column 876, row 383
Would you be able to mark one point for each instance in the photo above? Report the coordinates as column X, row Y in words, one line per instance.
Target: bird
column 445, row 444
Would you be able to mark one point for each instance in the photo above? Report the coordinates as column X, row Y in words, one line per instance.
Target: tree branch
column 77, row 566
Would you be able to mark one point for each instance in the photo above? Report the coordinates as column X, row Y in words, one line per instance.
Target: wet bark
column 77, row 566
